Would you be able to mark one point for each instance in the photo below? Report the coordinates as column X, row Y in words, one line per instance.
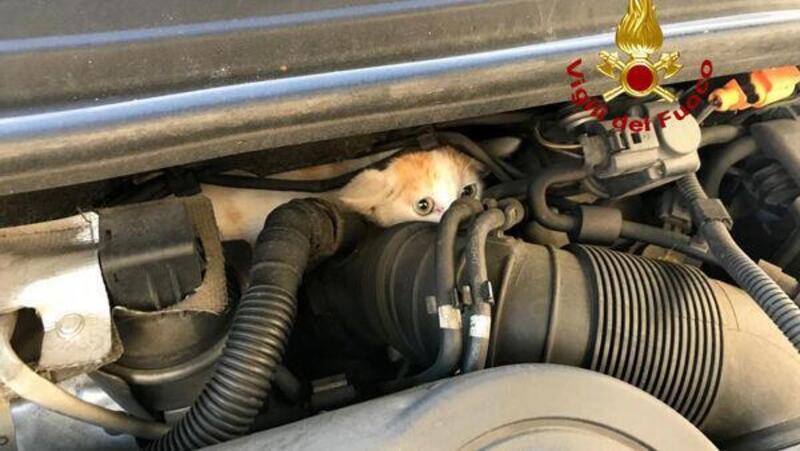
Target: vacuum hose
column 480, row 318
column 295, row 235
column 541, row 211
column 451, row 342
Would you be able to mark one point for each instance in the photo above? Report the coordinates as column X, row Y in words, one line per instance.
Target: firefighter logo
column 639, row 36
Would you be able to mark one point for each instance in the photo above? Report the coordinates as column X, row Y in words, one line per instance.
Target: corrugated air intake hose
column 295, row 236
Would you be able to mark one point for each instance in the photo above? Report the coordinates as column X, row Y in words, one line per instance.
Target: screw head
column 70, row 324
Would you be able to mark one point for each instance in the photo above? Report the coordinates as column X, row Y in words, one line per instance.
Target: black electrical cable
column 471, row 148
column 480, row 318
column 153, row 189
column 456, row 140
column 294, row 236
column 772, row 299
column 308, row 186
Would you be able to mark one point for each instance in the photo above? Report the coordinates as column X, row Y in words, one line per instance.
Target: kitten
column 416, row 186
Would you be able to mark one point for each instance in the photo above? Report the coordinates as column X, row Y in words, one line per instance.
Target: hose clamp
column 449, row 317
column 486, row 293
column 480, row 326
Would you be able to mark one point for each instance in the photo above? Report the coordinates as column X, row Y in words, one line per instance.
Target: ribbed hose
column 658, row 327
column 772, row 299
column 293, row 235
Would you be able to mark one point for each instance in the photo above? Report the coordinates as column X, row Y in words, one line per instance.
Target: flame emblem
column 639, row 36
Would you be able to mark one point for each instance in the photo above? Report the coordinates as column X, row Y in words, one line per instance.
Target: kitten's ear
column 477, row 167
column 465, row 165
column 367, row 190
column 472, row 166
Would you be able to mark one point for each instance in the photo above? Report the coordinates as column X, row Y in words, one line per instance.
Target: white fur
column 381, row 195
column 240, row 213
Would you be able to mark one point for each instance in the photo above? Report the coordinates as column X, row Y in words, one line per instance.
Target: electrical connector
column 757, row 89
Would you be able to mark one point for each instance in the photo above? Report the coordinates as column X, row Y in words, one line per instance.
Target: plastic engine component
column 697, row 344
column 629, row 290
column 651, row 145
column 149, row 254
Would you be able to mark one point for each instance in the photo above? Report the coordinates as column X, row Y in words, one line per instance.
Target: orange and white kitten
column 417, row 186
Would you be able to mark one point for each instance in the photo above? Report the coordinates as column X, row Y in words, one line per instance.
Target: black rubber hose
column 722, row 161
column 471, row 148
column 509, row 189
column 157, row 188
column 480, row 318
column 664, row 238
column 537, row 196
column 451, row 339
column 541, row 211
column 294, row 234
column 720, row 134
column 519, row 189
column 772, row 299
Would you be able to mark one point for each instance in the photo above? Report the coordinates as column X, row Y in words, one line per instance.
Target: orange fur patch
column 418, row 171
column 413, row 171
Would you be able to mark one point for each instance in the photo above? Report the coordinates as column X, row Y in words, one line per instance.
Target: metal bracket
column 53, row 267
column 449, row 317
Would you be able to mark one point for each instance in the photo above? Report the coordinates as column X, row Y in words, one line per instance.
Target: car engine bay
column 592, row 247
column 618, row 279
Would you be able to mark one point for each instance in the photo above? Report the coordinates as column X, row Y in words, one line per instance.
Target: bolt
column 70, row 325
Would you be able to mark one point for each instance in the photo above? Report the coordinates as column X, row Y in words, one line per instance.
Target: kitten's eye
column 470, row 190
column 424, row 206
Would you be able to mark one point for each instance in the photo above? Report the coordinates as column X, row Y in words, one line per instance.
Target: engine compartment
column 665, row 257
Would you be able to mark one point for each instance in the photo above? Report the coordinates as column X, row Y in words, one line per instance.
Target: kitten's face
column 414, row 187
